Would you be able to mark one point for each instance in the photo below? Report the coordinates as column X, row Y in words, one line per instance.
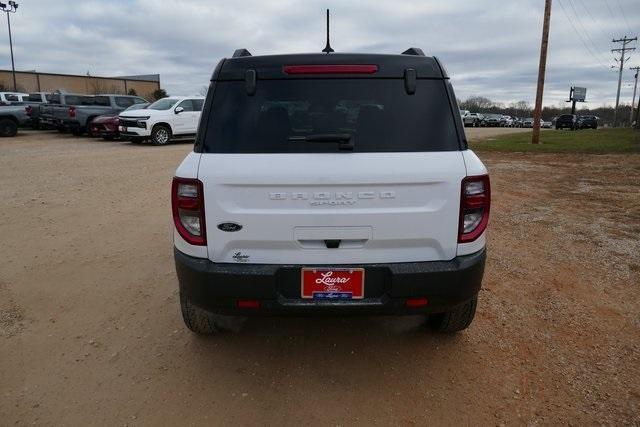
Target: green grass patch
column 599, row 141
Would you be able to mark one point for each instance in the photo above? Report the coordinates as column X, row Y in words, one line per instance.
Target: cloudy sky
column 490, row 48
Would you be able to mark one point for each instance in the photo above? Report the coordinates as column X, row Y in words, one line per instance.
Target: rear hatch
column 340, row 170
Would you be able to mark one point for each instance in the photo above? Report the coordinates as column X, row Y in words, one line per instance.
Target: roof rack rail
column 241, row 52
column 413, row 51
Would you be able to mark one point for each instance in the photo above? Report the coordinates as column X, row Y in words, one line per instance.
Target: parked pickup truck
column 472, row 119
column 8, row 98
column 79, row 117
column 54, row 113
column 32, row 107
column 12, row 116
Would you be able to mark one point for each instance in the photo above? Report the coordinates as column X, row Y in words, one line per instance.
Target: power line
column 597, row 23
column 609, row 7
column 624, row 16
column 586, row 33
column 580, row 36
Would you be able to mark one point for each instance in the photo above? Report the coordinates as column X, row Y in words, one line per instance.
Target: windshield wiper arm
column 342, row 139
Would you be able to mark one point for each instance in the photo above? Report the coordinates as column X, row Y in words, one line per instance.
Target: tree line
column 480, row 104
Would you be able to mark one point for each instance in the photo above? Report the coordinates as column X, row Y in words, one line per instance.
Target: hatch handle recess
column 410, row 81
column 250, row 82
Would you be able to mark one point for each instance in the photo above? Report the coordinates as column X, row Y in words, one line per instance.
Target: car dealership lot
column 90, row 329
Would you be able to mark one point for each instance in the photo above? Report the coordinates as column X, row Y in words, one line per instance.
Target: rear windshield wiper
column 342, row 139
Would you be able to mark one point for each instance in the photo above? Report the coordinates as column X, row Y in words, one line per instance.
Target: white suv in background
column 164, row 120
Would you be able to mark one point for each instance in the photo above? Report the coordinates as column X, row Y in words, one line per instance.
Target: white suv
column 164, row 120
column 333, row 184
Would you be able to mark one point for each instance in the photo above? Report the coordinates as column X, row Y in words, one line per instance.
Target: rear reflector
column 28, row 110
column 475, row 201
column 249, row 303
column 417, row 302
column 330, row 69
column 187, row 205
column 72, row 112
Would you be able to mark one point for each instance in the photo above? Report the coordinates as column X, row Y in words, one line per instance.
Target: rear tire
column 8, row 128
column 203, row 322
column 160, row 135
column 455, row 320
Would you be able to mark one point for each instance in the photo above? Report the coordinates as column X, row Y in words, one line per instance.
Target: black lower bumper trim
column 218, row 287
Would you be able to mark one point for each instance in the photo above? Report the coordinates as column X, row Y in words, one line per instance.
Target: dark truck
column 569, row 121
column 78, row 118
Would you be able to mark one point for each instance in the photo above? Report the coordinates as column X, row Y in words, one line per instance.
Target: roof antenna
column 327, row 49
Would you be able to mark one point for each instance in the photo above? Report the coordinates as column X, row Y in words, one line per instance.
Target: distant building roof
column 146, row 77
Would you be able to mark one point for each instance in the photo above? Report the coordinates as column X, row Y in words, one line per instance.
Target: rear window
column 377, row 114
column 566, row 116
column 53, row 98
column 78, row 100
column 34, row 97
column 103, row 101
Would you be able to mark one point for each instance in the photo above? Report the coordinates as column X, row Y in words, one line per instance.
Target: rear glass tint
column 78, row 100
column 102, row 101
column 377, row 114
column 34, row 97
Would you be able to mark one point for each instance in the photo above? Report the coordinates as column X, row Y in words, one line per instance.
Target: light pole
column 12, row 8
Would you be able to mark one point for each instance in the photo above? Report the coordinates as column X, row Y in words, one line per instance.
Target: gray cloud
column 489, row 48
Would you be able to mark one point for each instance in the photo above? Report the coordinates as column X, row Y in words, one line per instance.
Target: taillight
column 187, row 203
column 72, row 112
column 28, row 110
column 331, row 69
column 475, row 200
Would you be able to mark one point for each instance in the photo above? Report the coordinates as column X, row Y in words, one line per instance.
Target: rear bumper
column 218, row 287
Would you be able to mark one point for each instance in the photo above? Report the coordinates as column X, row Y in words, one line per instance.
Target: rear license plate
column 332, row 283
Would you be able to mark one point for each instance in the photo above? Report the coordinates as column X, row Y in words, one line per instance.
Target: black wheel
column 77, row 131
column 61, row 129
column 455, row 320
column 204, row 323
column 108, row 138
column 8, row 128
column 160, row 135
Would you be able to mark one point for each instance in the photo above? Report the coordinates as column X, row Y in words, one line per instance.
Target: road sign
column 579, row 94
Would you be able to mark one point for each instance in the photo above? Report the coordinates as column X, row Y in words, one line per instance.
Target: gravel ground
column 90, row 330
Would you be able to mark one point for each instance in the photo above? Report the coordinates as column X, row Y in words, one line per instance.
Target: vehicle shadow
column 376, row 354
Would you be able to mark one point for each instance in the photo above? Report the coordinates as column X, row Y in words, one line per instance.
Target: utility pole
column 544, row 44
column 625, row 41
column 635, row 86
column 13, row 7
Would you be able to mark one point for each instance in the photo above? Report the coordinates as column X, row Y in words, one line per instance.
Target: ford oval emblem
column 229, row 226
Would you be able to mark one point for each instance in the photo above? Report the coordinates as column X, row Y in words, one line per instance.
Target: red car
column 107, row 126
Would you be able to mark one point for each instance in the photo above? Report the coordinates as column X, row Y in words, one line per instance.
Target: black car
column 569, row 121
column 588, row 122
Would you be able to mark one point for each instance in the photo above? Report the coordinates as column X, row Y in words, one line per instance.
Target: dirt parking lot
column 90, row 329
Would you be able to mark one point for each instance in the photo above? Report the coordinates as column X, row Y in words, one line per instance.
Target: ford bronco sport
column 330, row 184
